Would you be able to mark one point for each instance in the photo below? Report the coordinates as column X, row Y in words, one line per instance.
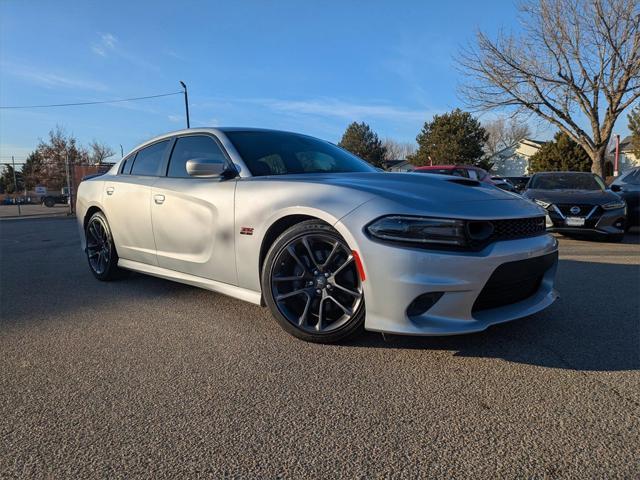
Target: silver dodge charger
column 326, row 241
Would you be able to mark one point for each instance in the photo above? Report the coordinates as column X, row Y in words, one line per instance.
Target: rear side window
column 148, row 159
column 200, row 147
column 125, row 169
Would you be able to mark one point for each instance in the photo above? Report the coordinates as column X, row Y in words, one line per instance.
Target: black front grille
column 510, row 229
column 518, row 228
column 565, row 208
column 513, row 282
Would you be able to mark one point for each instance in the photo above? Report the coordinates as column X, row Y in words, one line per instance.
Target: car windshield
column 282, row 153
column 566, row 181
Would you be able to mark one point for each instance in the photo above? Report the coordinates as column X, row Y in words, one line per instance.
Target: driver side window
column 193, row 147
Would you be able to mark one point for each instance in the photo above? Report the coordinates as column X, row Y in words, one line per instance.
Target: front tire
column 311, row 284
column 100, row 249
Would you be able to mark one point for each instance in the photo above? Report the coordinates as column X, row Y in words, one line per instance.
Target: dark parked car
column 51, row 200
column 504, row 184
column 578, row 203
column 466, row 171
column 627, row 186
column 520, row 183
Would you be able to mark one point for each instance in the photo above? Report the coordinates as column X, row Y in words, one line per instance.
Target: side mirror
column 205, row 168
column 615, row 188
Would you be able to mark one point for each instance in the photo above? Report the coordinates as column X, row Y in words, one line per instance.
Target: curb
column 62, row 216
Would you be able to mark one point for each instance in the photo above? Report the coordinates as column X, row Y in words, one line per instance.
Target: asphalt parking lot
column 147, row 378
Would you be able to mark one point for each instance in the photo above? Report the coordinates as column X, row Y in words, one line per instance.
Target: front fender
column 260, row 204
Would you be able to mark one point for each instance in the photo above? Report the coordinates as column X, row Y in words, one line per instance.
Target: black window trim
column 127, row 162
column 163, row 161
column 165, row 168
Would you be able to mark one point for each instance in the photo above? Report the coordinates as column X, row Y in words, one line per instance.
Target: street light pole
column 186, row 102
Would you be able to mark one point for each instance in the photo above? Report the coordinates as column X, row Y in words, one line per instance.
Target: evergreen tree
column 561, row 155
column 360, row 140
column 634, row 128
column 7, row 180
column 452, row 138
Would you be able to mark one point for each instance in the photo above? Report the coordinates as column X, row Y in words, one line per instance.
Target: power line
column 5, row 107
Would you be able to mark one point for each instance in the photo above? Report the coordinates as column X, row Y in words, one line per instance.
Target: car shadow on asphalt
column 594, row 326
column 632, row 237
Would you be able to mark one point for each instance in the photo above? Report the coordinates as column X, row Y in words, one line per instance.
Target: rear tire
column 49, row 202
column 100, row 249
column 311, row 284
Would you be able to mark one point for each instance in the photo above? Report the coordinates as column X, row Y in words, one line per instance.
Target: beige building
column 514, row 161
column 627, row 158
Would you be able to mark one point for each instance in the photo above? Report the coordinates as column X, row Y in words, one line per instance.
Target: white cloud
column 332, row 107
column 52, row 79
column 108, row 45
column 175, row 118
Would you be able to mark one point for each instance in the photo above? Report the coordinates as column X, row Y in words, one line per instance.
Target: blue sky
column 310, row 66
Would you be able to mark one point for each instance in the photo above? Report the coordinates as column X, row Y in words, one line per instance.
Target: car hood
column 584, row 197
column 417, row 193
column 410, row 185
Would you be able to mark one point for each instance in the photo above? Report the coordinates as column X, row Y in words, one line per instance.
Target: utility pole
column 121, row 152
column 15, row 183
column 186, row 102
column 69, row 195
column 617, row 159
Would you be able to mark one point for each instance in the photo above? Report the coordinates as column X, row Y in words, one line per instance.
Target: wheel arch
column 90, row 211
column 277, row 228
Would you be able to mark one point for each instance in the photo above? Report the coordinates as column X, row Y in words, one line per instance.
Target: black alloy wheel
column 311, row 283
column 101, row 253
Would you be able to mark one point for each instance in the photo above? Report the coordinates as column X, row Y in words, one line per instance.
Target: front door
column 193, row 218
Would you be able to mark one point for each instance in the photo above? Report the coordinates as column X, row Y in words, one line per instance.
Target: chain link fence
column 41, row 201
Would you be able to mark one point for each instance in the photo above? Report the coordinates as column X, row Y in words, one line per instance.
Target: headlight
column 614, row 205
column 544, row 205
column 398, row 228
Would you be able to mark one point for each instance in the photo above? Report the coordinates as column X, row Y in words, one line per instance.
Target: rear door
column 193, row 218
column 127, row 201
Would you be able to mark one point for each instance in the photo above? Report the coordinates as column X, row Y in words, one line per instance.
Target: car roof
column 564, row 173
column 213, row 130
column 447, row 167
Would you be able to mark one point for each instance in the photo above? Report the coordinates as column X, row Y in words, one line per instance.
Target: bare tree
column 100, row 152
column 576, row 63
column 55, row 152
column 504, row 133
column 398, row 150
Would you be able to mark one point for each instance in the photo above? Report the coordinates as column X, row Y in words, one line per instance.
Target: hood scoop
column 465, row 181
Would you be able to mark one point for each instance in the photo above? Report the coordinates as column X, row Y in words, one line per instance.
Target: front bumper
column 600, row 223
column 396, row 276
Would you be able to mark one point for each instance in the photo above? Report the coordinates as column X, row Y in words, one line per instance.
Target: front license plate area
column 574, row 222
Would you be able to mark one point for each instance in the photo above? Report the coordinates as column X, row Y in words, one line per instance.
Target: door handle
column 110, row 190
column 159, row 199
